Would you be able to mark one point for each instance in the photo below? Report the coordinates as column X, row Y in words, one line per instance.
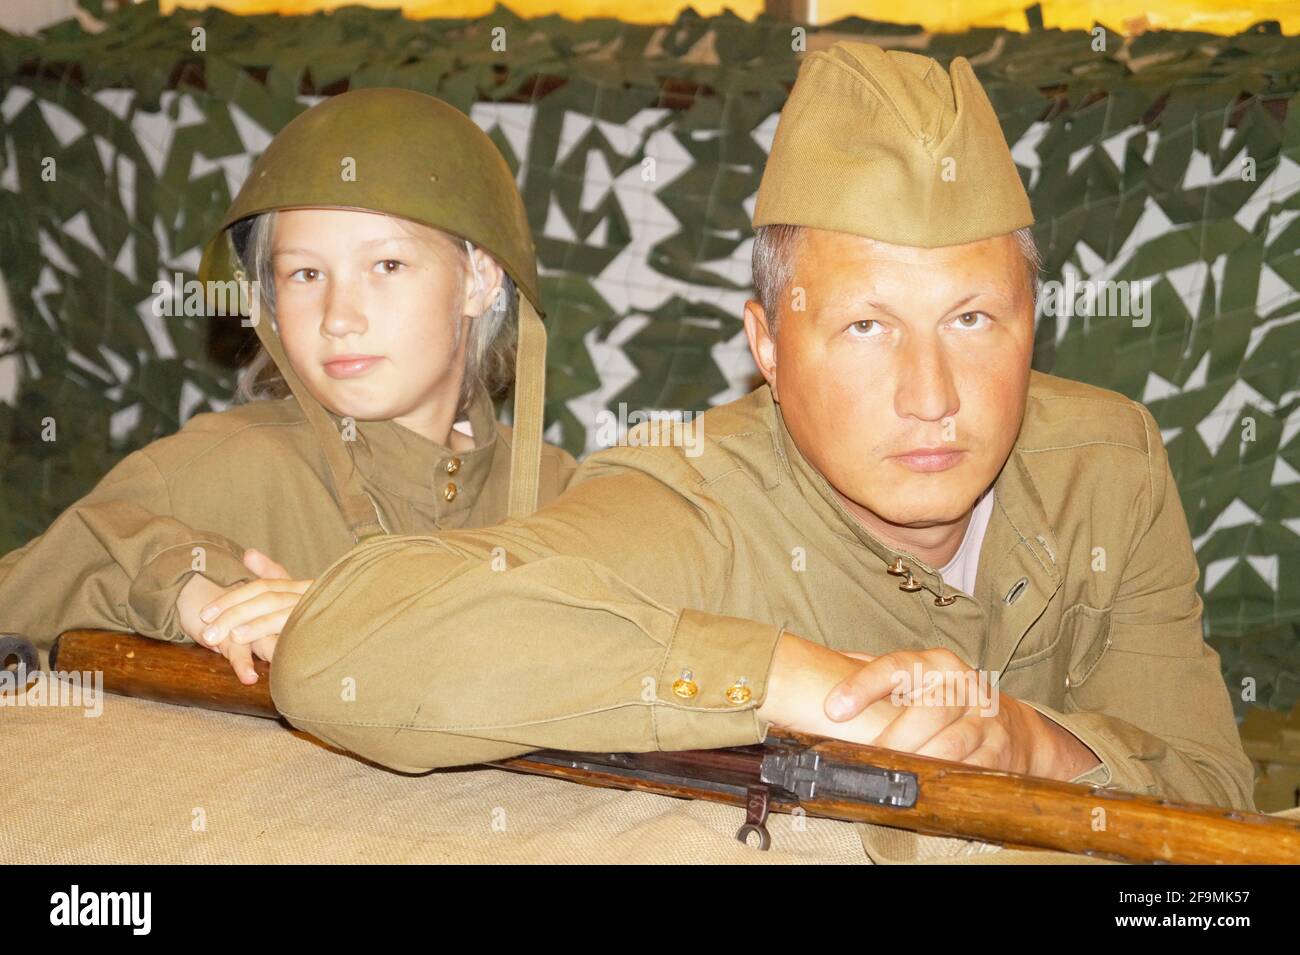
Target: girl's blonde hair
column 489, row 355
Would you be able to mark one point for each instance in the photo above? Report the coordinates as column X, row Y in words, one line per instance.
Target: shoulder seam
column 705, row 481
column 1083, row 444
column 1151, row 483
column 227, row 437
column 167, row 489
column 1121, row 400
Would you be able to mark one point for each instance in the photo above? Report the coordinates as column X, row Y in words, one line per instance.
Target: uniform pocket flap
column 1089, row 631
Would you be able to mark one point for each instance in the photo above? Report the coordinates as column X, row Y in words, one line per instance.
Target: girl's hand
column 245, row 620
column 197, row 593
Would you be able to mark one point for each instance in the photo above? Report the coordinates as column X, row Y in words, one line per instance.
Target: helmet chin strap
column 358, row 508
column 530, row 399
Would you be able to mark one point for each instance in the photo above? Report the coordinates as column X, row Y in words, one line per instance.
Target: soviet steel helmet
column 406, row 154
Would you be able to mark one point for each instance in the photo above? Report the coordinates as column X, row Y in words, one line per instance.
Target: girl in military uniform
column 394, row 281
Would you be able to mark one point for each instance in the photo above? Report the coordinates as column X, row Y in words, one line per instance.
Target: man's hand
column 244, row 620
column 802, row 674
column 945, row 709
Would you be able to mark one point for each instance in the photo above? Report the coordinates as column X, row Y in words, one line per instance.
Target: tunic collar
column 404, row 464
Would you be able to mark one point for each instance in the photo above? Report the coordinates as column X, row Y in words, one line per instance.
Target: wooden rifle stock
column 789, row 772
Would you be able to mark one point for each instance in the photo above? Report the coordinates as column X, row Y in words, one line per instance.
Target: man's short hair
column 775, row 247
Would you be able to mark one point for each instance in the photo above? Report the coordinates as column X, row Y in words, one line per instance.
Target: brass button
column 947, row 601
column 739, row 693
column 896, row 568
column 453, row 465
column 911, row 584
column 685, row 686
column 449, row 492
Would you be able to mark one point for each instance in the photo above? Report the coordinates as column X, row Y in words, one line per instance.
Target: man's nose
column 925, row 387
column 344, row 308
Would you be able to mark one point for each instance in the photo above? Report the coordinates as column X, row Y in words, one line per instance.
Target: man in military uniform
column 903, row 504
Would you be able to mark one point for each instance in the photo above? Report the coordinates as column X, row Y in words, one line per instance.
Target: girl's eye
column 305, row 275
column 961, row 320
column 389, row 266
column 862, row 328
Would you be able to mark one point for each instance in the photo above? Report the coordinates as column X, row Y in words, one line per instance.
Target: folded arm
column 597, row 623
column 116, row 560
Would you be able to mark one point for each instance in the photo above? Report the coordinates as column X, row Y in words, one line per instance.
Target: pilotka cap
column 887, row 145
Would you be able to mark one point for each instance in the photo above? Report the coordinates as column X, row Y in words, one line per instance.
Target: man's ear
column 761, row 343
column 479, row 298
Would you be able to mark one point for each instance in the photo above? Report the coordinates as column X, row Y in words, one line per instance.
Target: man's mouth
column 930, row 459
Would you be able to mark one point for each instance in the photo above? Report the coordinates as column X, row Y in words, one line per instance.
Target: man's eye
column 389, row 266
column 974, row 316
column 863, row 328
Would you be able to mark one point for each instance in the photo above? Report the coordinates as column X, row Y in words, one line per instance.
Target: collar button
column 453, row 465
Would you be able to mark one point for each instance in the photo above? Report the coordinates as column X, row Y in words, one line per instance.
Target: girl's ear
column 483, row 288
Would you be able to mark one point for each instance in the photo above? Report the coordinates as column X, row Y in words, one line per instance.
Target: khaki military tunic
column 568, row 628
column 252, row 476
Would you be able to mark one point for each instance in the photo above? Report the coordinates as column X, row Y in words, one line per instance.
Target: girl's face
column 368, row 308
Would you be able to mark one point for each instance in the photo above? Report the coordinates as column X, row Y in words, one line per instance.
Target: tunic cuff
column 713, row 680
column 153, row 593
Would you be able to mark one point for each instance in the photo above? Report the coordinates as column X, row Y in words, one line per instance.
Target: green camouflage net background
column 1172, row 157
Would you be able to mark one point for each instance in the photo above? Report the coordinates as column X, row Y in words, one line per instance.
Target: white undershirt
column 959, row 573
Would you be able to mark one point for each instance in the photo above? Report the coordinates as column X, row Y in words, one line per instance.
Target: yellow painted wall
column 950, row 16
column 650, row 11
column 1125, row 16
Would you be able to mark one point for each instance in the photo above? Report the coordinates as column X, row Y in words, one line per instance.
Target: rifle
column 789, row 772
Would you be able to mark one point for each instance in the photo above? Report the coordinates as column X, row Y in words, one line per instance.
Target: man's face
column 900, row 348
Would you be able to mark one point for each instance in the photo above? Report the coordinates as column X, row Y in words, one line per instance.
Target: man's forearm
column 1143, row 762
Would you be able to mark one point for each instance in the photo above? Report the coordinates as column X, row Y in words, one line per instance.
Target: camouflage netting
column 1172, row 157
